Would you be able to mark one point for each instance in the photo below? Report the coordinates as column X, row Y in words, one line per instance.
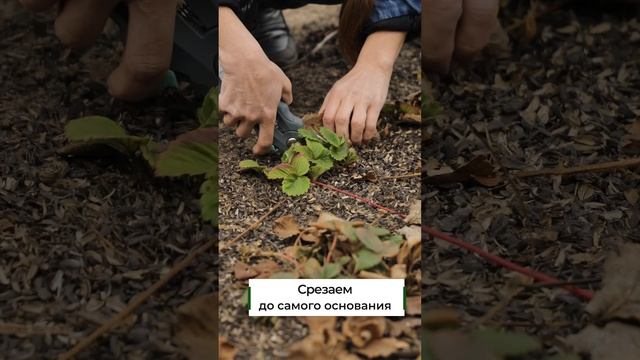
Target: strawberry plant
column 194, row 153
column 302, row 163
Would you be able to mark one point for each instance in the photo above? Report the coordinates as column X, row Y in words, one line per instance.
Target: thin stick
column 333, row 246
column 30, row 330
column 142, row 297
column 403, row 176
column 137, row 301
column 600, row 167
column 324, row 41
column 224, row 246
column 563, row 283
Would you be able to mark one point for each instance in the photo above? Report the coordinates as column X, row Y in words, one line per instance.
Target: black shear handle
column 195, row 43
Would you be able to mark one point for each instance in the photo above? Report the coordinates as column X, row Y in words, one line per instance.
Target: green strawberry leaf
column 93, row 127
column 209, row 201
column 366, row 259
column 300, row 164
column 352, row 157
column 192, row 153
column 309, row 134
column 371, row 241
column 284, row 275
column 288, row 154
column 331, row 137
column 395, row 238
column 344, row 260
column 84, row 133
column 281, row 171
column 317, row 149
column 208, row 112
column 252, row 165
column 379, row 231
column 320, row 166
column 340, row 152
column 296, row 185
column 331, row 270
column 302, row 149
column 347, row 230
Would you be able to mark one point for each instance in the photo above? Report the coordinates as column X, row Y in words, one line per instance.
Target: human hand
column 455, row 29
column 147, row 54
column 252, row 85
column 352, row 106
column 249, row 95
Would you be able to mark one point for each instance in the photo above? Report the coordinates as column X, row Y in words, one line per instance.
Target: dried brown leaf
column 478, row 169
column 404, row 327
column 311, row 235
column 196, row 328
column 415, row 213
column 620, row 294
column 398, row 271
column 414, row 305
column 266, row 268
column 285, row 227
column 227, row 350
column 632, row 196
column 531, row 22
column 613, row 341
column 413, row 234
column 382, row 348
column 243, row 271
column 323, row 342
column 362, row 330
column 312, row 120
column 326, row 221
column 441, row 318
column 370, row 275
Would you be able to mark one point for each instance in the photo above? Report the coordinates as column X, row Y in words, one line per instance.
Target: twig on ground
column 324, row 41
column 30, row 329
column 224, row 245
column 600, row 167
column 565, row 283
column 333, row 246
column 403, row 176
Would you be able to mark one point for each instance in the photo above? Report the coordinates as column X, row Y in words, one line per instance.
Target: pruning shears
column 195, row 59
column 286, row 129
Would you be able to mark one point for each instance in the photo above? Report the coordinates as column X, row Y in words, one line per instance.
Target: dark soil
column 79, row 238
column 587, row 80
column 246, row 197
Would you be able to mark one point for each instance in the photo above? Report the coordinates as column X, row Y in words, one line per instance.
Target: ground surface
column 245, row 197
column 583, row 69
column 79, row 243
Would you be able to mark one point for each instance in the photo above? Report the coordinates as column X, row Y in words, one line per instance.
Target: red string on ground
column 538, row 276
